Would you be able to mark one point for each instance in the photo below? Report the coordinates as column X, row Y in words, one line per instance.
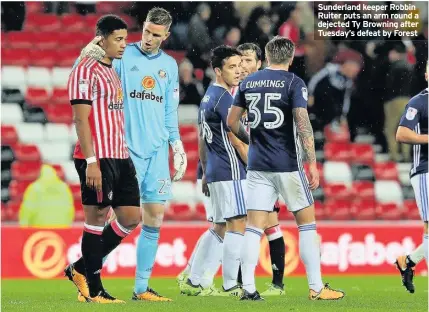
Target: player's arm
column 408, row 136
column 299, row 97
column 235, row 114
column 80, row 93
column 172, row 124
column 241, row 148
column 203, row 159
column 409, row 120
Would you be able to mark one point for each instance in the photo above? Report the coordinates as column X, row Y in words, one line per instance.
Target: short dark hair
column 280, row 50
column 221, row 53
column 159, row 16
column 107, row 24
column 253, row 47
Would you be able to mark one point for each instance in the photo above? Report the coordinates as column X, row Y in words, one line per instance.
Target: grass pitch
column 371, row 293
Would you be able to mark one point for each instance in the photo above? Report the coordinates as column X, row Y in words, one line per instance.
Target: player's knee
column 220, row 229
column 237, row 224
column 153, row 218
column 95, row 216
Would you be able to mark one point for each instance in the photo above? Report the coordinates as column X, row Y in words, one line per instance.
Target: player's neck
column 107, row 60
column 154, row 52
column 279, row 67
column 223, row 84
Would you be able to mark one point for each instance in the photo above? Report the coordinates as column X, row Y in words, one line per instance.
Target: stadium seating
column 337, row 209
column 363, row 209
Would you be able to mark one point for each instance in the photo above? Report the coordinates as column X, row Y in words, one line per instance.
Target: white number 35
column 254, row 99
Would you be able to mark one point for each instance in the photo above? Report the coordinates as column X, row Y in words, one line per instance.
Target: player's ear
column 217, row 71
column 258, row 65
column 167, row 35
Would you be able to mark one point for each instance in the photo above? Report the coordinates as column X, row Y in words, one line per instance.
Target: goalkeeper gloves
column 93, row 50
column 179, row 160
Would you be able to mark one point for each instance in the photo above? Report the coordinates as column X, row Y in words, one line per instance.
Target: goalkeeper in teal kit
column 151, row 96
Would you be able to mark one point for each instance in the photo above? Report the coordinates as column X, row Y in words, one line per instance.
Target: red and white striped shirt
column 98, row 85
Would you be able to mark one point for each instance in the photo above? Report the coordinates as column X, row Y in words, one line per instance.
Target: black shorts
column 119, row 183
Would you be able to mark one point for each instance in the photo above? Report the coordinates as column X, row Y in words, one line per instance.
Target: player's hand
column 93, row 50
column 313, row 176
column 204, row 185
column 179, row 159
column 93, row 177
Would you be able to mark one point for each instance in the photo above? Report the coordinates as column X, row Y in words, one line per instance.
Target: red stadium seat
column 91, row 21
column 27, row 152
column 37, row 96
column 60, row 171
column 319, row 209
column 188, row 133
column 337, row 209
column 337, row 191
column 389, row 211
column 17, row 189
column 363, row 209
column 75, row 189
column 386, row 171
column 284, row 214
column 48, row 40
column 42, row 22
column 340, row 134
column 67, row 58
column 190, row 174
column 21, row 39
column 59, row 114
column 200, row 212
column 131, row 21
column 177, row 55
column 43, row 58
column 78, row 210
column 4, row 212
column 15, row 57
column 73, row 22
column 13, row 207
column 8, row 135
column 364, row 189
column 180, row 212
column 25, row 171
column 363, row 154
column 33, row 7
column 134, row 37
column 411, row 211
column 338, row 151
column 59, row 95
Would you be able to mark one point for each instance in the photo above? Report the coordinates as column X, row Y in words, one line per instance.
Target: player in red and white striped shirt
column 107, row 174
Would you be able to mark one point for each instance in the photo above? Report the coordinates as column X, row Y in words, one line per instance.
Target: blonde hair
column 159, row 16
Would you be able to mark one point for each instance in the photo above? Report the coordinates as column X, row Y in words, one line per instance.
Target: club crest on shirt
column 119, row 95
column 148, row 83
column 83, row 85
column 411, row 113
column 162, row 73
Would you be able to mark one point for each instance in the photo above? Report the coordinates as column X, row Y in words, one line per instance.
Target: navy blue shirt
column 415, row 117
column 199, row 171
column 269, row 97
column 223, row 161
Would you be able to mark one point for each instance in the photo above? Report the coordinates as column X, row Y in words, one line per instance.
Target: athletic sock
column 209, row 249
column 250, row 256
column 309, row 250
column 277, row 253
column 232, row 244
column 213, row 260
column 112, row 235
column 416, row 255
column 92, row 253
column 188, row 267
column 147, row 247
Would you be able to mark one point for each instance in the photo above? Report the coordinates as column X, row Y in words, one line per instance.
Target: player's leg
column 183, row 276
column 155, row 183
column 261, row 198
column 277, row 253
column 293, row 186
column 406, row 264
column 233, row 195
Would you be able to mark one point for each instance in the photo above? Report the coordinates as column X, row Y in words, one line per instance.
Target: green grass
column 371, row 293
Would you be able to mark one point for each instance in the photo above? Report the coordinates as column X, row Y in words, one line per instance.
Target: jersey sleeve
column 80, row 85
column 411, row 116
column 239, row 99
column 298, row 93
column 172, row 103
column 222, row 108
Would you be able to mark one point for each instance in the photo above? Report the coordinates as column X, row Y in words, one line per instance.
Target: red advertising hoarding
column 347, row 248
